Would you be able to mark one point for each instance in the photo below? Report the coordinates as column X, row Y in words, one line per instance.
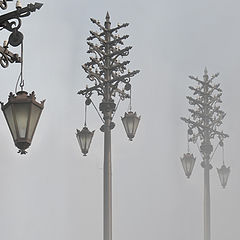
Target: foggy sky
column 54, row 193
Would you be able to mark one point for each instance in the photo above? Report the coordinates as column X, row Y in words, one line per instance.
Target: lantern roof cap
column 21, row 97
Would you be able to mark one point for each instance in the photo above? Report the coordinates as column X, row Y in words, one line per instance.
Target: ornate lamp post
column 108, row 73
column 203, row 125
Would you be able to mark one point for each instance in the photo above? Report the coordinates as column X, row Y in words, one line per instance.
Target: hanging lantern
column 188, row 161
column 130, row 122
column 84, row 138
column 22, row 113
column 223, row 174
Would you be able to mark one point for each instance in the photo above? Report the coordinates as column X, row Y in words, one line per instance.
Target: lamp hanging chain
column 22, row 80
column 188, row 148
column 223, row 155
column 97, row 111
column 85, row 116
column 214, row 152
column 130, row 102
column 21, row 73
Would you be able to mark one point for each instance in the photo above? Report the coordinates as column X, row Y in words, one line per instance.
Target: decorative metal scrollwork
column 7, row 56
column 3, row 4
column 12, row 22
column 4, row 61
column 9, row 24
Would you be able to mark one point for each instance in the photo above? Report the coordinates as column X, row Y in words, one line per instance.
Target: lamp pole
column 203, row 123
column 107, row 73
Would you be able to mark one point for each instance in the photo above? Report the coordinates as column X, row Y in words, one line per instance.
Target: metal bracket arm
column 198, row 125
column 23, row 12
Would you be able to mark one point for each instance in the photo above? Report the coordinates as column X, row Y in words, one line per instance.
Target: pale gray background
column 54, row 193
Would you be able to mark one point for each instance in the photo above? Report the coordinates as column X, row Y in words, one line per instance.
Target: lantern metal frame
column 130, row 122
column 84, row 138
column 223, row 174
column 188, row 162
column 14, row 101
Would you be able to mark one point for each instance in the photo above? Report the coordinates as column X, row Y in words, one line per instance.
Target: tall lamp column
column 108, row 74
column 203, row 126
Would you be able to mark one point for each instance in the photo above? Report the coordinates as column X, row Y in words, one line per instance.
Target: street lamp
column 223, row 174
column 130, row 122
column 22, row 111
column 203, row 126
column 108, row 74
column 188, row 161
column 84, row 138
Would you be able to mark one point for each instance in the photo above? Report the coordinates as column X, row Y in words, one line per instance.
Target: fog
column 54, row 192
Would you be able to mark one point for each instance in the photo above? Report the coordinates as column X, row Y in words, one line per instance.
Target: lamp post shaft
column 206, row 144
column 207, row 232
column 107, row 179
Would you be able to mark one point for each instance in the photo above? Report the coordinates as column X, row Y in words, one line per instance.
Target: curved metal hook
column 4, row 61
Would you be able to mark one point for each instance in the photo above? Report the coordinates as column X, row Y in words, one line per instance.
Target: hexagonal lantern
column 22, row 113
column 223, row 174
column 188, row 161
column 84, row 138
column 130, row 122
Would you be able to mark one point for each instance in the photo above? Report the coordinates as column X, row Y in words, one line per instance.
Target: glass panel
column 130, row 124
column 9, row 117
column 136, row 122
column 126, row 126
column 35, row 115
column 88, row 140
column 22, row 114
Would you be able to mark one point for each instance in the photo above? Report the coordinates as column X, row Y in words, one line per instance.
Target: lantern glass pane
column 135, row 124
column 126, row 125
column 22, row 115
column 130, row 125
column 10, row 121
column 86, row 140
column 35, row 115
